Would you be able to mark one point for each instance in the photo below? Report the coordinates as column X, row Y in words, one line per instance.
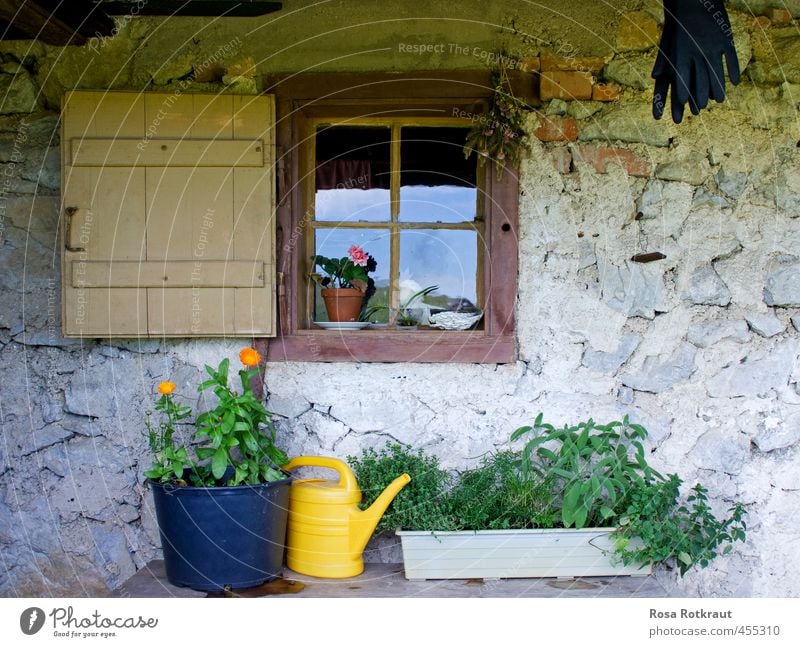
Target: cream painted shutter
column 169, row 223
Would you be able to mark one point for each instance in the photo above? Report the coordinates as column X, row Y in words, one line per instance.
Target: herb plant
column 576, row 476
column 689, row 533
column 596, row 467
column 420, row 503
column 495, row 495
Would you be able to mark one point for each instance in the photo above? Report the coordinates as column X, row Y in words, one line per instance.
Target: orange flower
column 166, row 388
column 249, row 357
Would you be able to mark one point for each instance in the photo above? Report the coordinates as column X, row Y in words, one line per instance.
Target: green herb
column 420, row 503
column 496, row 495
column 596, row 467
column 663, row 530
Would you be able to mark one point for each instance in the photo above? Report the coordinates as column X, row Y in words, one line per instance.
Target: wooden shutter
column 168, row 212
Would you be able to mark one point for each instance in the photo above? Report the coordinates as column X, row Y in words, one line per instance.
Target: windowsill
column 393, row 346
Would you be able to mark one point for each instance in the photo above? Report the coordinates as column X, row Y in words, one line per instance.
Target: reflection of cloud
column 441, row 257
column 371, row 205
column 437, row 203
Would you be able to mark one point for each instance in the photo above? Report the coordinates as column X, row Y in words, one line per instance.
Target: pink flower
column 358, row 255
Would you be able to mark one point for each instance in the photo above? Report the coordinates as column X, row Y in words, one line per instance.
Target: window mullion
column 394, row 276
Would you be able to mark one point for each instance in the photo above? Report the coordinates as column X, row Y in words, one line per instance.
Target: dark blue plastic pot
column 215, row 537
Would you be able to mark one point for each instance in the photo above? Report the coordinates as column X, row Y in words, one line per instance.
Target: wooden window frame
column 308, row 97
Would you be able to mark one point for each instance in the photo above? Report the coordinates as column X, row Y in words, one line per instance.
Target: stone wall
column 701, row 346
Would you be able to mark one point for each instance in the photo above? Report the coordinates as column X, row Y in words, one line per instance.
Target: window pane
column 352, row 174
column 440, row 257
column 334, row 243
column 437, row 184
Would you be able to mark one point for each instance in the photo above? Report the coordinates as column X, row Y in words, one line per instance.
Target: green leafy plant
column 420, row 503
column 405, row 316
column 656, row 528
column 500, row 134
column 233, row 443
column 169, row 461
column 495, row 495
column 597, row 467
column 351, row 271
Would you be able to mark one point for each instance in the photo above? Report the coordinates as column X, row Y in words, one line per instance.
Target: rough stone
column 755, row 376
column 796, row 322
column 556, row 107
column 731, row 184
column 632, row 123
column 723, row 450
column 703, row 198
column 637, row 31
column 707, row 288
column 583, row 109
column 765, row 324
column 611, row 362
column 630, row 71
column 783, row 62
column 19, row 94
column 693, row 170
column 603, row 157
column 660, row 200
column 111, row 554
column 659, row 373
column 787, row 190
column 708, row 333
column 634, row 289
column 778, row 433
column 92, row 393
column 783, row 287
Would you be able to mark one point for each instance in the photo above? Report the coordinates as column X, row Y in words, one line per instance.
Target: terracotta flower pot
column 343, row 304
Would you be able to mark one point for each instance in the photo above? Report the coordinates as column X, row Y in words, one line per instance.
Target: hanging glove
column 696, row 36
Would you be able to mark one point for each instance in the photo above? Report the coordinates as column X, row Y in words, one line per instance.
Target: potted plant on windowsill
column 346, row 285
column 221, row 500
column 577, row 501
column 408, row 315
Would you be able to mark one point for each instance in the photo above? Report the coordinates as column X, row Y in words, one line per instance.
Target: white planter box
column 562, row 552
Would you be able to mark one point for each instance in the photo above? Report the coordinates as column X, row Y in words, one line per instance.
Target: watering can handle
column 347, row 479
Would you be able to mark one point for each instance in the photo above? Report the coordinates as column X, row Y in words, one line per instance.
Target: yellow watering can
column 327, row 532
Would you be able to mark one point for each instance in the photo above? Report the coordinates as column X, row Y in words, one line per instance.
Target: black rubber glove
column 696, row 36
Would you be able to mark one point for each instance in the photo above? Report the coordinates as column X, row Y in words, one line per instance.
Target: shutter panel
column 169, row 221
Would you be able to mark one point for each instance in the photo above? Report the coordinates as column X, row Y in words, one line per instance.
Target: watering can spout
column 366, row 520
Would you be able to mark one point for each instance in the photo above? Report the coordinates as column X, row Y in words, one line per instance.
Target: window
column 407, row 195
column 357, row 165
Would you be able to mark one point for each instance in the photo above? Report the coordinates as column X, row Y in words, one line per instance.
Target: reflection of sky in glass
column 444, row 203
column 352, row 205
column 440, row 257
